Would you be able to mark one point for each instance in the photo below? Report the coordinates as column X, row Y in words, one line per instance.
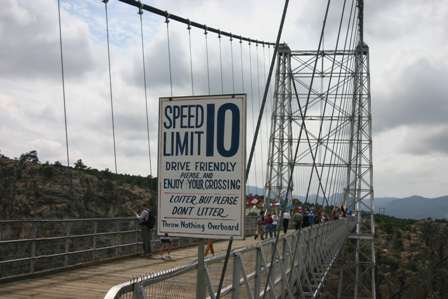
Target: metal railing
column 31, row 247
column 301, row 263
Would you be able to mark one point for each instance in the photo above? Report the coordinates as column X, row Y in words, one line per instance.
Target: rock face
column 29, row 189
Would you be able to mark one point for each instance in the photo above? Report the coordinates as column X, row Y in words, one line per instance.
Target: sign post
column 201, row 166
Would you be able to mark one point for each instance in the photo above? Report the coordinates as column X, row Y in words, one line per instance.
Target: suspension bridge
column 309, row 139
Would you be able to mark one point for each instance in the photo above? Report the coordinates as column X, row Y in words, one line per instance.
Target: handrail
column 103, row 239
column 22, row 220
column 314, row 247
column 23, row 257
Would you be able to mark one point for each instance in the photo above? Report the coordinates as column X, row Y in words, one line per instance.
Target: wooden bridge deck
column 94, row 281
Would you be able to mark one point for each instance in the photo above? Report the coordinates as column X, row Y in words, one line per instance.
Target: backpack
column 149, row 219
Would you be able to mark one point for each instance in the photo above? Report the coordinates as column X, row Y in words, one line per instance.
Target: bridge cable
column 343, row 99
column 258, row 100
column 242, row 66
column 296, row 152
column 180, row 19
column 339, row 173
column 267, row 121
column 145, row 86
column 252, row 103
column 191, row 58
column 220, row 63
column 63, row 83
column 167, row 21
column 110, row 84
column 207, row 62
column 340, row 187
column 325, row 106
column 233, row 67
column 271, row 68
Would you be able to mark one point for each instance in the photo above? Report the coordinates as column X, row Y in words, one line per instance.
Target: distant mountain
column 414, row 207
column 254, row 190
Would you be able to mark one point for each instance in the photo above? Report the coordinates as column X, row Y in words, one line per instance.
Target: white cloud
column 407, row 63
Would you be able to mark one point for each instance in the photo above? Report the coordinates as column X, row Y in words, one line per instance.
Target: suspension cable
column 145, row 86
column 233, row 67
column 252, row 103
column 191, row 59
column 220, row 63
column 346, row 87
column 258, row 100
column 187, row 21
column 207, row 62
column 336, row 95
column 325, row 103
column 277, row 42
column 63, row 83
column 242, row 66
column 110, row 84
column 295, row 155
column 167, row 21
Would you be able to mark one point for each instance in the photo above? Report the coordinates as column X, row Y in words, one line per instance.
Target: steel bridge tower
column 340, row 157
column 280, row 140
column 359, row 191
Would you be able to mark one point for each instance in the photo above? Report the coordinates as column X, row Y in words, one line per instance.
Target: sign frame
column 219, row 99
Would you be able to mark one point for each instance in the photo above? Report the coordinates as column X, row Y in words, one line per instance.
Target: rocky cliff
column 29, row 189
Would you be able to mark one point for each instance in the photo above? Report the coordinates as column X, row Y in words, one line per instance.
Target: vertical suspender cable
column 220, row 63
column 297, row 146
column 167, row 21
column 266, row 89
column 206, row 57
column 63, row 83
column 260, row 116
column 191, row 59
column 233, row 67
column 145, row 86
column 110, row 84
column 258, row 100
column 242, row 66
column 252, row 103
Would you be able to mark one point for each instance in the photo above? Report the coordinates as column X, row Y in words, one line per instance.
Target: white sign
column 201, row 166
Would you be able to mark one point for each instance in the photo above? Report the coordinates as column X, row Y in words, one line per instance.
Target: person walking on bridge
column 298, row 219
column 146, row 220
column 286, row 218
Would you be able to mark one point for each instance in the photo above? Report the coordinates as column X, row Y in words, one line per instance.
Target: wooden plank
column 94, row 281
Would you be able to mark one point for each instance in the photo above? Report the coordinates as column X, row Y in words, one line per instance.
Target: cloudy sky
column 409, row 54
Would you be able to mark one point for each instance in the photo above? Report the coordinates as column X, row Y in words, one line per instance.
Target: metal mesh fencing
column 301, row 262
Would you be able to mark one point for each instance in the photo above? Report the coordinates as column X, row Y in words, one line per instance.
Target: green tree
column 80, row 165
column 30, row 156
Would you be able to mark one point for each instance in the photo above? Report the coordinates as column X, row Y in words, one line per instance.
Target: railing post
column 139, row 292
column 284, row 284
column 136, row 236
column 236, row 279
column 95, row 231
column 33, row 245
column 67, row 228
column 117, row 236
column 257, row 279
column 200, row 276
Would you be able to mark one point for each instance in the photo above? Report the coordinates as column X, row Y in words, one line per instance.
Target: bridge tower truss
column 315, row 111
column 359, row 191
column 280, row 138
column 333, row 167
